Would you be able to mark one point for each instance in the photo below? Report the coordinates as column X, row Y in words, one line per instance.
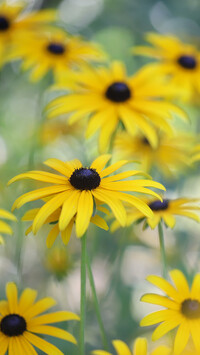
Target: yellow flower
column 58, row 262
column 4, row 227
column 165, row 210
column 21, row 320
column 171, row 157
column 77, row 189
column 182, row 309
column 109, row 96
column 180, row 61
column 53, row 50
column 54, row 218
column 139, row 348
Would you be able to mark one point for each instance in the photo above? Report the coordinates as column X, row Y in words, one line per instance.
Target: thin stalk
column 83, row 295
column 162, row 249
column 96, row 303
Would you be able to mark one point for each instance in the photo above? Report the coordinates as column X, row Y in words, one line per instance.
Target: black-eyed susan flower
column 179, row 60
column 182, row 309
column 15, row 20
column 4, row 227
column 108, row 96
column 66, row 233
column 53, row 50
column 171, row 156
column 165, row 210
column 139, row 348
column 76, row 190
column 22, row 320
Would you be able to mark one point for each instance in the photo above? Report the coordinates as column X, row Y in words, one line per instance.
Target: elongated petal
column 160, row 300
column 53, row 331
column 99, row 222
column 58, row 165
column 52, row 236
column 165, row 327
column 7, row 215
column 11, row 293
column 121, row 348
column 84, row 212
column 69, row 209
column 42, row 344
column 53, row 318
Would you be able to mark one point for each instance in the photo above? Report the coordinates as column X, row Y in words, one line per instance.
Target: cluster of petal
column 139, row 348
column 4, row 227
column 166, row 211
column 180, row 61
column 182, row 309
column 171, row 156
column 66, row 232
column 29, row 313
column 55, row 50
column 81, row 202
column 108, row 96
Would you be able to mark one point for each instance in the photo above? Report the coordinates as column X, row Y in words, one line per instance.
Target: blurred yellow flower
column 165, row 210
column 171, row 156
column 4, row 227
column 139, row 348
column 179, row 60
column 108, row 96
column 78, row 189
column 54, row 220
column 21, row 319
column 57, row 261
column 16, row 20
column 54, row 50
column 182, row 309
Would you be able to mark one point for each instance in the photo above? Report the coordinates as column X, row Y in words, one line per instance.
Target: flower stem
column 83, row 295
column 162, row 249
column 96, row 303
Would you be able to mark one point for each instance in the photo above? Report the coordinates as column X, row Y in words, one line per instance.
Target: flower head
column 4, row 227
column 182, row 309
column 109, row 96
column 180, row 61
column 165, row 210
column 171, row 156
column 77, row 189
column 21, row 320
column 139, row 348
column 53, row 50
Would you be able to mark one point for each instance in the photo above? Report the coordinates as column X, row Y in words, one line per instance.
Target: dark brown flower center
column 118, row 92
column 85, row 179
column 56, row 48
column 159, row 205
column 4, row 23
column 191, row 308
column 13, row 325
column 187, row 62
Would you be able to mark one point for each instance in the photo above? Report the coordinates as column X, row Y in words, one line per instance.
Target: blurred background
column 120, row 261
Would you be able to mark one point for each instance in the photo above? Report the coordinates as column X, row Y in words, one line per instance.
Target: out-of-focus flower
column 171, row 157
column 109, row 96
column 165, row 210
column 4, row 227
column 139, row 348
column 79, row 189
column 57, row 261
column 21, row 319
column 54, row 220
column 178, row 60
column 54, row 50
column 15, row 20
column 182, row 309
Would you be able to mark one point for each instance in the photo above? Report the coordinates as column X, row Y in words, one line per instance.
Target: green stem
column 83, row 295
column 96, row 303
column 162, row 249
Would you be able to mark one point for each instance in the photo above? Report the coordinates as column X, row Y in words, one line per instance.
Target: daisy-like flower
column 165, row 210
column 179, row 60
column 171, row 156
column 109, row 96
column 15, row 20
column 139, row 348
column 21, row 320
column 53, row 50
column 4, row 227
column 182, row 309
column 78, row 189
column 66, row 233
